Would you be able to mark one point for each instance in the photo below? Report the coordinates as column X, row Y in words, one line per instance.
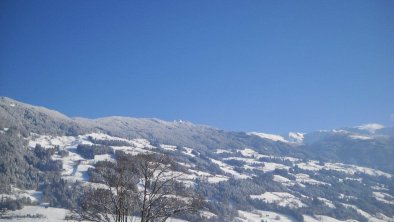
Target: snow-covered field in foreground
column 17, row 193
column 51, row 214
column 269, row 216
column 259, row 215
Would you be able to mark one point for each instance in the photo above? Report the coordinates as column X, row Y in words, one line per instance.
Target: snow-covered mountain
column 371, row 127
column 291, row 137
column 329, row 175
column 363, row 132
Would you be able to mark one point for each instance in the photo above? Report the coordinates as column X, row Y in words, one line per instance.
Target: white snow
column 352, row 169
column 50, row 214
column 74, row 167
column 246, row 160
column 346, row 197
column 384, row 197
column 168, row 147
column 132, row 150
column 251, row 158
column 310, row 165
column 229, row 169
column 103, row 136
column 327, row 202
column 259, row 216
column 103, row 157
column 372, row 218
column 219, row 151
column 354, row 179
column 272, row 137
column 17, row 194
column 292, row 137
column 188, row 151
column 82, row 171
column 346, row 168
column 280, row 198
column 138, row 143
column 339, row 131
column 371, row 127
column 51, row 141
column 194, row 174
column 296, row 137
column 217, row 179
column 207, row 215
column 323, row 218
column 269, row 166
column 360, row 137
column 380, row 187
column 283, row 180
column 141, row 143
column 304, row 178
column 248, row 152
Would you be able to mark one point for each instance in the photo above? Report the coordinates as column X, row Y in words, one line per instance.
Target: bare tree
column 143, row 185
column 162, row 196
column 113, row 198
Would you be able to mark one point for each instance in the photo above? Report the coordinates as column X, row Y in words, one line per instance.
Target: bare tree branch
column 143, row 184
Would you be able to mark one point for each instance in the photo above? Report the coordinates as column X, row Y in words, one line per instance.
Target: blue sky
column 271, row 66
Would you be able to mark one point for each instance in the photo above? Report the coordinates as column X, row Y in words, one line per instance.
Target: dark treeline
column 89, row 151
column 109, row 142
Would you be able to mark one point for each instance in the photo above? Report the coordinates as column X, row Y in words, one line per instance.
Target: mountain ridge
column 329, row 172
column 44, row 121
column 345, row 144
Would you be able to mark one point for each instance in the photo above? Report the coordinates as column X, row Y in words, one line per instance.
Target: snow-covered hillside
column 75, row 168
column 330, row 175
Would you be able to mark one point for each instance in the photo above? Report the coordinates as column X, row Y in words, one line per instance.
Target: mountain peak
column 291, row 137
column 370, row 127
column 272, row 137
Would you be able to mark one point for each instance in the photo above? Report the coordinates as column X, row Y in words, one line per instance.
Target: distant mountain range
column 369, row 145
column 328, row 175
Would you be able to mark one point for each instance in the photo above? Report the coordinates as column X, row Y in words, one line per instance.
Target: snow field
column 49, row 214
column 259, row 216
column 17, row 194
column 75, row 168
column 229, row 169
column 280, row 198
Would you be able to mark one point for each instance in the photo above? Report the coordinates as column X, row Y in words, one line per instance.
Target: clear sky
column 270, row 66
